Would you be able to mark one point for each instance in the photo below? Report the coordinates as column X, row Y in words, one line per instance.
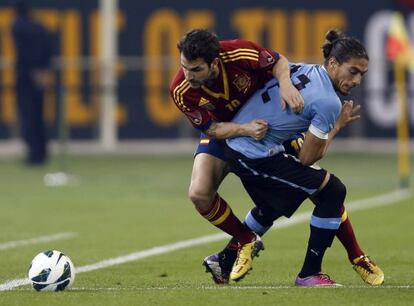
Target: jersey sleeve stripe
column 253, row 51
column 240, row 54
column 178, row 95
column 256, row 59
column 180, row 87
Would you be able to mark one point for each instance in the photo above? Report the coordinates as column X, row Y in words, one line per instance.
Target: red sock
column 232, row 244
column 347, row 237
column 220, row 215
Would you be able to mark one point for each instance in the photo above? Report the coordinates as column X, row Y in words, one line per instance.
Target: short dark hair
column 199, row 43
column 342, row 47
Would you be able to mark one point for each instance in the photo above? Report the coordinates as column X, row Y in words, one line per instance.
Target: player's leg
column 208, row 173
column 209, row 170
column 258, row 220
column 362, row 264
column 345, row 232
column 225, row 259
column 347, row 237
column 261, row 220
column 274, row 185
column 283, row 183
column 325, row 221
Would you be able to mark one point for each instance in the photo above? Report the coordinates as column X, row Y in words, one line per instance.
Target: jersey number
column 303, row 80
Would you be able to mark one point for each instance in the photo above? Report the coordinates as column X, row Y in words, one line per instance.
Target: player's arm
column 222, row 130
column 278, row 65
column 288, row 93
column 315, row 146
column 202, row 120
column 313, row 149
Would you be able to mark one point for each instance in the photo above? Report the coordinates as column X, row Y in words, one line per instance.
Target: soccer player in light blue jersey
column 319, row 115
column 278, row 182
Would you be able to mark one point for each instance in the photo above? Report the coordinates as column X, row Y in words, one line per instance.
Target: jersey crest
column 242, row 82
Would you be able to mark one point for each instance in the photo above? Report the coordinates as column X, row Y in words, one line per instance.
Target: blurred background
column 108, row 89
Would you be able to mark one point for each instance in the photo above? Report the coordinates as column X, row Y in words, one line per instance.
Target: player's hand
column 348, row 114
column 291, row 96
column 256, row 129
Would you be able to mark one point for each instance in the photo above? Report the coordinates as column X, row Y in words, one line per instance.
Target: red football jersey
column 244, row 68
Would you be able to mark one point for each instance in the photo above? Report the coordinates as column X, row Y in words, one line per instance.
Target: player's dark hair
column 199, row 43
column 342, row 47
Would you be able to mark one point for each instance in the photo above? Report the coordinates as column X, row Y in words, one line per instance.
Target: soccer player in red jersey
column 215, row 79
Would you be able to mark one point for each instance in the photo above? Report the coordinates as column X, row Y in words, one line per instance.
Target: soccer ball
column 51, row 271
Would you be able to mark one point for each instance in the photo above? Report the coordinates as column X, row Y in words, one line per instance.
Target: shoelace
column 366, row 263
column 326, row 277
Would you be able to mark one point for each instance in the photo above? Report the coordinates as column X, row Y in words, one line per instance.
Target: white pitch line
column 381, row 200
column 41, row 239
column 232, row 287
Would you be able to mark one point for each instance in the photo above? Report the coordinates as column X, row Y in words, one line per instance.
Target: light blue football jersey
column 321, row 110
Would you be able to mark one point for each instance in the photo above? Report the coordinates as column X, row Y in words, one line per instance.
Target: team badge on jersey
column 242, row 82
column 206, row 104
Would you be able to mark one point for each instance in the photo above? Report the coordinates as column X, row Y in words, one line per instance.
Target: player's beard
column 211, row 78
column 208, row 81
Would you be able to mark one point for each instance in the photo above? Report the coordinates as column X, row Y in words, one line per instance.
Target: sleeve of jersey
column 256, row 57
column 199, row 118
column 267, row 59
column 324, row 115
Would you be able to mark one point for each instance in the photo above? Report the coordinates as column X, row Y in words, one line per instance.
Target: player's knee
column 334, row 192
column 200, row 197
column 339, row 189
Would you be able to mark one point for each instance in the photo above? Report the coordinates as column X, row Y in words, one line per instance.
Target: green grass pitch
column 124, row 205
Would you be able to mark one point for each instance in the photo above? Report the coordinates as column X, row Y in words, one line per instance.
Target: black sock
column 320, row 239
column 313, row 262
column 227, row 257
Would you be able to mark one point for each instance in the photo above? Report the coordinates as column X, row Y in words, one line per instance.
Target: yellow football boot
column 244, row 260
column 368, row 270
